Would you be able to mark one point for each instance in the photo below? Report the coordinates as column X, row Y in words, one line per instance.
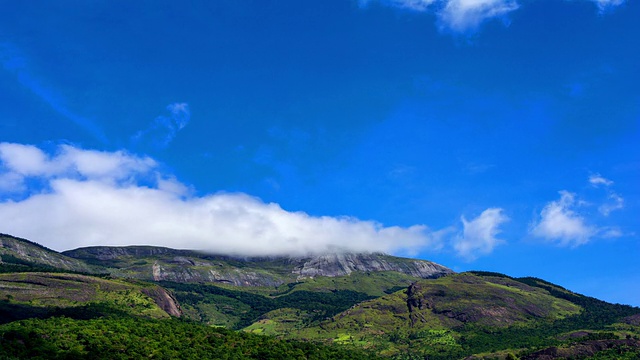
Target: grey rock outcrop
column 344, row 264
column 187, row 266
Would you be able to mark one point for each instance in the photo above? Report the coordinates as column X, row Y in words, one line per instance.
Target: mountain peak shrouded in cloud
column 89, row 198
column 234, row 126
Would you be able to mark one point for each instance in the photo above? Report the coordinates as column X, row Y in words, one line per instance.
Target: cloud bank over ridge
column 77, row 197
column 73, row 197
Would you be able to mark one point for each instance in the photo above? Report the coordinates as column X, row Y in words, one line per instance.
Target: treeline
column 136, row 338
column 13, row 311
column 320, row 304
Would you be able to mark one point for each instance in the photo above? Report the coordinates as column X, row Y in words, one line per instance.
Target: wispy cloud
column 458, row 16
column 89, row 197
column 15, row 63
column 564, row 221
column 614, row 201
column 466, row 16
column 560, row 223
column 478, row 236
column 164, row 129
column 597, row 180
column 415, row 5
column 608, row 5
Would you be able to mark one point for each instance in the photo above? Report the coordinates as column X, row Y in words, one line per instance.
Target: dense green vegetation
column 246, row 308
column 48, row 309
column 136, row 338
column 41, row 295
column 466, row 314
column 599, row 319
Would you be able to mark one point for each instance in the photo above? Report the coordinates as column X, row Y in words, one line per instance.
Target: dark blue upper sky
column 506, row 131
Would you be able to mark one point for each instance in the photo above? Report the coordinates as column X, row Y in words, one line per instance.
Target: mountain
column 164, row 264
column 463, row 314
column 374, row 304
column 20, row 253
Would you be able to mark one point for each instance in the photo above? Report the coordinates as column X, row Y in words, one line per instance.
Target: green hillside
column 92, row 303
column 461, row 315
column 32, row 294
column 138, row 338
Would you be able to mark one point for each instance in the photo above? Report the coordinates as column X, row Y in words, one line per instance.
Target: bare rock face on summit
column 188, row 266
column 344, row 264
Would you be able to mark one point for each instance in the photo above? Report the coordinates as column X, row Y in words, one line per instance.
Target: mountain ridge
column 18, row 251
column 396, row 307
column 166, row 264
column 180, row 265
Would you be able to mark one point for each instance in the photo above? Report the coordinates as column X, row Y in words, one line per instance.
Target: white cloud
column 467, row 15
column 479, row 235
column 11, row 183
column 415, row 5
column 560, row 223
column 114, row 198
column 456, row 15
column 21, row 161
column 597, row 180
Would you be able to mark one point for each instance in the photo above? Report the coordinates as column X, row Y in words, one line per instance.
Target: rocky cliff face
column 155, row 263
column 164, row 300
column 344, row 264
column 106, row 253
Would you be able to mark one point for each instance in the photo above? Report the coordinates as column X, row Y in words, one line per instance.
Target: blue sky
column 481, row 134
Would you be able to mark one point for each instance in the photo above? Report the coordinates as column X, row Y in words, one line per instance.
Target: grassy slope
column 33, row 294
column 373, row 283
column 460, row 315
column 236, row 308
column 447, row 304
column 312, row 299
